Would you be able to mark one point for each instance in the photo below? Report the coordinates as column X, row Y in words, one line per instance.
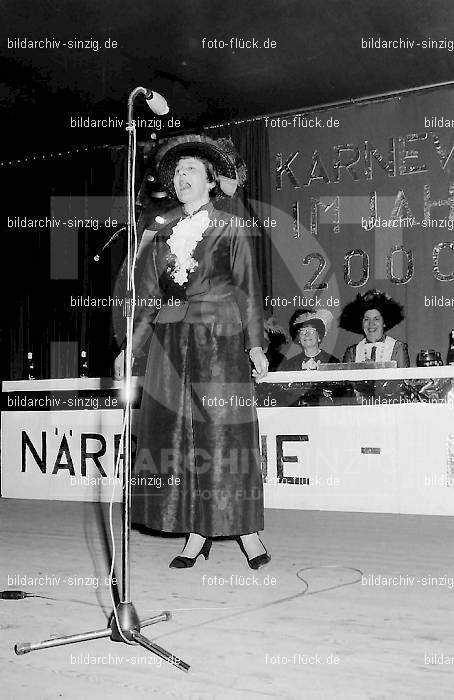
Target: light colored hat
column 322, row 319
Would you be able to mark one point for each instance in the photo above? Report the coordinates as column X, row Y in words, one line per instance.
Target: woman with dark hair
column 371, row 314
column 198, row 438
column 308, row 329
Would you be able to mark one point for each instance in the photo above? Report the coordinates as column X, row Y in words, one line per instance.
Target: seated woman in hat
column 308, row 328
column 371, row 314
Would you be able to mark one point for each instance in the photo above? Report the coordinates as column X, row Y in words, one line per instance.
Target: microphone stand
column 124, row 623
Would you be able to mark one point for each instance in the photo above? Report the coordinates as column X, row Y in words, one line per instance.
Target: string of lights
column 39, row 157
column 330, row 105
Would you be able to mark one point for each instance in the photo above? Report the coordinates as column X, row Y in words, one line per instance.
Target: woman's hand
column 260, row 362
column 119, row 366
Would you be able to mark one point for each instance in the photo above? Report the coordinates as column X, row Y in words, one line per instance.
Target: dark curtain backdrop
column 251, row 141
column 44, row 268
column 50, row 269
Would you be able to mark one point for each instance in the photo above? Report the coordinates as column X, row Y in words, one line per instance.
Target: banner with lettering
column 61, row 455
column 363, row 197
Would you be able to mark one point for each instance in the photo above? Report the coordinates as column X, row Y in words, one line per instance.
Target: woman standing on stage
column 198, row 438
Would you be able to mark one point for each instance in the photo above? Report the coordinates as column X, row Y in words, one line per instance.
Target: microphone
column 156, row 102
column 115, row 235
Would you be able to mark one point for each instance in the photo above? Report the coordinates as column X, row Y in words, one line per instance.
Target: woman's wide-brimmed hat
column 222, row 153
column 351, row 318
column 321, row 319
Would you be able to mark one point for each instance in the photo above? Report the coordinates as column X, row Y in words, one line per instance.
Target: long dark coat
column 197, row 466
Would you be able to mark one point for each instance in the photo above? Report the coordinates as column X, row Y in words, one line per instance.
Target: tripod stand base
column 128, row 620
column 130, row 626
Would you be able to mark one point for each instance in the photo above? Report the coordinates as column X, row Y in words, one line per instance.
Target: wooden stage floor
column 246, row 634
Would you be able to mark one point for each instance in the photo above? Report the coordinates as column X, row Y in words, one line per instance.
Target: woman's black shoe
column 181, row 562
column 261, row 560
column 258, row 561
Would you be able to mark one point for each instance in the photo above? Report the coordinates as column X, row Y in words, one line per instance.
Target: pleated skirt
column 197, row 466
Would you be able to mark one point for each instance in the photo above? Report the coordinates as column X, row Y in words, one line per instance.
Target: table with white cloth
column 371, row 440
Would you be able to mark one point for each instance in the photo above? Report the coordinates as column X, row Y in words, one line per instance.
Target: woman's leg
column 193, row 545
column 253, row 545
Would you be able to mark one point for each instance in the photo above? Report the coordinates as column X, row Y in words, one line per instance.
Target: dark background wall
column 321, row 54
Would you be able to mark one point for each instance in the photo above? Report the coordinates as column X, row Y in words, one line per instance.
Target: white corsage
column 310, row 364
column 186, row 234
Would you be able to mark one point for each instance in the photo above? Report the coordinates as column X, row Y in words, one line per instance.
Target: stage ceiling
column 318, row 59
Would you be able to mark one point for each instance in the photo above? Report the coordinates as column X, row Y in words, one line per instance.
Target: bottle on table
column 30, row 366
column 450, row 355
column 83, row 364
